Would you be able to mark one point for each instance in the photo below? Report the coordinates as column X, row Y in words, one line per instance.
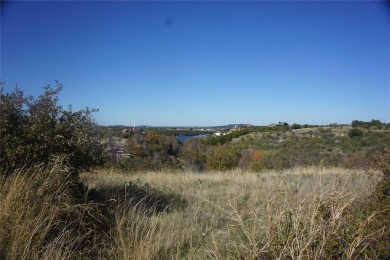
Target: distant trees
column 228, row 137
column 194, row 154
column 376, row 124
column 151, row 152
column 34, row 129
column 296, row 126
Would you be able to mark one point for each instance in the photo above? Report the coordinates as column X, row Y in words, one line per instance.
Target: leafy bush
column 193, row 154
column 33, row 130
column 223, row 139
column 376, row 124
column 355, row 133
column 296, row 126
column 378, row 205
column 223, row 158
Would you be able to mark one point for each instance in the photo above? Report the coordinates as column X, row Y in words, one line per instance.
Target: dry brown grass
column 39, row 217
column 303, row 213
column 298, row 213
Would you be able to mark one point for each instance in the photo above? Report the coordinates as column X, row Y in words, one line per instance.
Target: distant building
column 217, row 134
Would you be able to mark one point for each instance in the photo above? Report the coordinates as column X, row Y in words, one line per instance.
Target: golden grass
column 302, row 213
column 39, row 218
column 298, row 213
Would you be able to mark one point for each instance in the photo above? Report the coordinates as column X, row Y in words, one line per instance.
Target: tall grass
column 40, row 217
column 299, row 213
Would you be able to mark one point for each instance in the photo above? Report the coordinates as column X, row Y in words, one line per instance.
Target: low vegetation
column 285, row 193
column 297, row 213
column 254, row 149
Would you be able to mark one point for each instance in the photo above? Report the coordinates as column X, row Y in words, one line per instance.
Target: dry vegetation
column 299, row 213
column 49, row 211
column 40, row 218
column 293, row 214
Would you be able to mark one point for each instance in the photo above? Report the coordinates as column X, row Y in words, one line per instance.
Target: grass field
column 294, row 214
column 302, row 213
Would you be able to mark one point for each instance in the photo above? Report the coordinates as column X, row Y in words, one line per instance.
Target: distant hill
column 194, row 127
column 118, row 126
column 231, row 126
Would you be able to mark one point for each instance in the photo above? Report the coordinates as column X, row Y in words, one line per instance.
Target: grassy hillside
column 255, row 149
column 297, row 213
column 254, row 193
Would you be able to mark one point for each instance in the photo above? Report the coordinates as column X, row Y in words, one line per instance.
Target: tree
column 33, row 130
column 296, row 126
column 357, row 123
column 376, row 124
column 193, row 153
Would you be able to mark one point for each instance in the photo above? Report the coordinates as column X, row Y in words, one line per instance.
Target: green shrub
column 223, row 139
column 353, row 133
column 35, row 129
column 296, row 126
column 223, row 158
column 378, row 204
column 382, row 162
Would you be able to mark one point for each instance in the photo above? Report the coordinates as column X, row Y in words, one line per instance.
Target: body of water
column 182, row 138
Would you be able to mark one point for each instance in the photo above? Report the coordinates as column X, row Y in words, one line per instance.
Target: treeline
column 250, row 150
column 373, row 124
column 33, row 130
column 47, row 213
column 223, row 139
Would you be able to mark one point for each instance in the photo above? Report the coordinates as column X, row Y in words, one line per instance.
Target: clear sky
column 204, row 63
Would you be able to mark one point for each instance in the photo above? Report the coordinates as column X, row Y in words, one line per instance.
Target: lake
column 182, row 138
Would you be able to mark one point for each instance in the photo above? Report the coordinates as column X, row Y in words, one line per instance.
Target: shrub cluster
column 376, row 124
column 35, row 129
column 256, row 151
column 354, row 132
column 223, row 139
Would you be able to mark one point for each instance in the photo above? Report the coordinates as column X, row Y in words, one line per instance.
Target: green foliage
column 381, row 161
column 223, row 139
column 376, row 124
column 296, row 126
column 34, row 130
column 280, row 148
column 223, row 158
column 151, row 152
column 178, row 131
column 378, row 205
column 354, row 132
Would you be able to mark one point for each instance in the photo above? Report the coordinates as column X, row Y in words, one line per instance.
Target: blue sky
column 204, row 63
